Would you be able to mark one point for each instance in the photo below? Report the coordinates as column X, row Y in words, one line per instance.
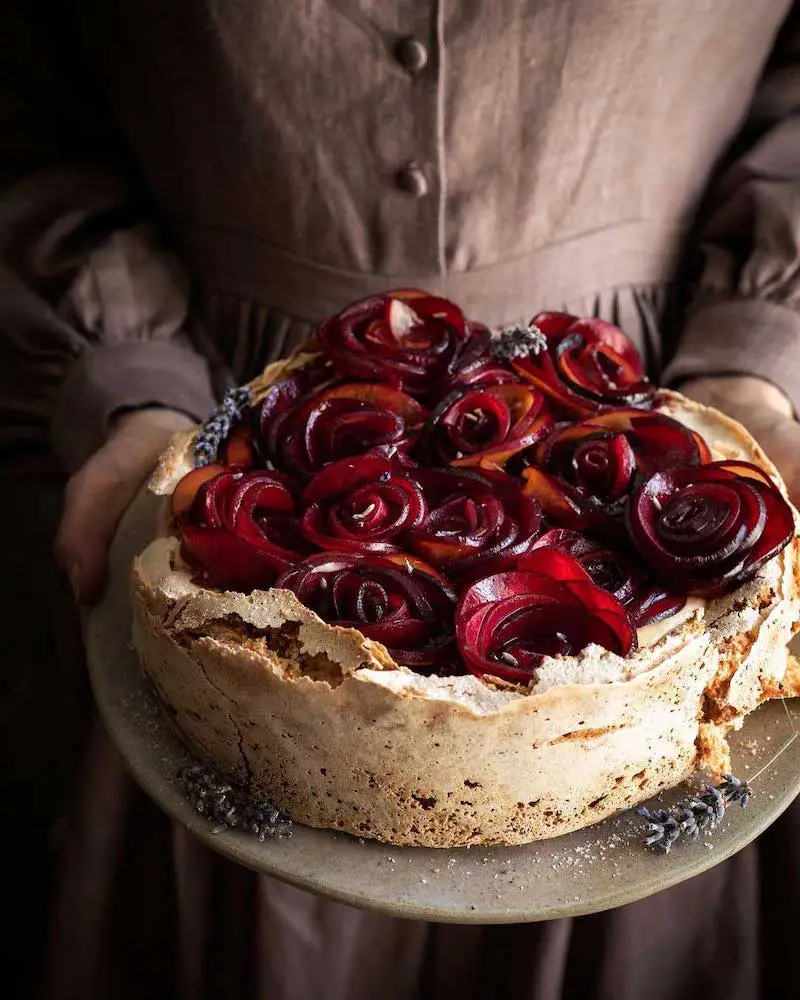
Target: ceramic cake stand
column 584, row 872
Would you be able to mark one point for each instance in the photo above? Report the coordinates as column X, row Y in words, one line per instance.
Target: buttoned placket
column 411, row 53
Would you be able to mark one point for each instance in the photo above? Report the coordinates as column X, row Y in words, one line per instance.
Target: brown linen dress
column 514, row 154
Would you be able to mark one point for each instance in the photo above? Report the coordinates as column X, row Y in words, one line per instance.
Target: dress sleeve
column 745, row 313
column 93, row 309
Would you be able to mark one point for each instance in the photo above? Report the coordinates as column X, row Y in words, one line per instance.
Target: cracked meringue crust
column 322, row 720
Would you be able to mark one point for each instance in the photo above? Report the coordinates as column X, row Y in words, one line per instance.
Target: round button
column 412, row 180
column 411, row 54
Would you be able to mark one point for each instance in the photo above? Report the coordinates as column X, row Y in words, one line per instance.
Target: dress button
column 412, row 180
column 411, row 54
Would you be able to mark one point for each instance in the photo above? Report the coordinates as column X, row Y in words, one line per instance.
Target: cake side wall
column 362, row 758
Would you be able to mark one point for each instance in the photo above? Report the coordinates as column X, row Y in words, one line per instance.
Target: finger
column 98, row 494
column 783, row 448
column 93, row 504
column 779, row 436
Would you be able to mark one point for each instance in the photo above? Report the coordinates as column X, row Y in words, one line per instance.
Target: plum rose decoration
column 586, row 365
column 594, row 465
column 645, row 600
column 709, row 529
column 484, row 425
column 477, row 365
column 395, row 600
column 284, row 395
column 238, row 530
column 343, row 421
column 548, row 606
column 406, row 337
column 476, row 523
column 361, row 505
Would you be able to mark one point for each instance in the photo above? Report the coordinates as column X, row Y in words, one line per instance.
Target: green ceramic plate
column 584, row 872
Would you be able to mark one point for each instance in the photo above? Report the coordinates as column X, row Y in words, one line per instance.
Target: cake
column 435, row 585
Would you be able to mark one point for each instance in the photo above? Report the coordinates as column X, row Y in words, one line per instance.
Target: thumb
column 780, row 438
column 98, row 494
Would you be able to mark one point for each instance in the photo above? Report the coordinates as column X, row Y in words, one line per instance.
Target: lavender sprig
column 217, row 426
column 518, row 342
column 227, row 805
column 691, row 817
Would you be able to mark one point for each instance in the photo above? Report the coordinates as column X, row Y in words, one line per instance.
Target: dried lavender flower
column 229, row 805
column 664, row 829
column 687, row 821
column 217, row 426
column 518, row 342
column 691, row 817
column 735, row 790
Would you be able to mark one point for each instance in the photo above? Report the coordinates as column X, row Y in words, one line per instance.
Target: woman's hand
column 764, row 411
column 97, row 495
